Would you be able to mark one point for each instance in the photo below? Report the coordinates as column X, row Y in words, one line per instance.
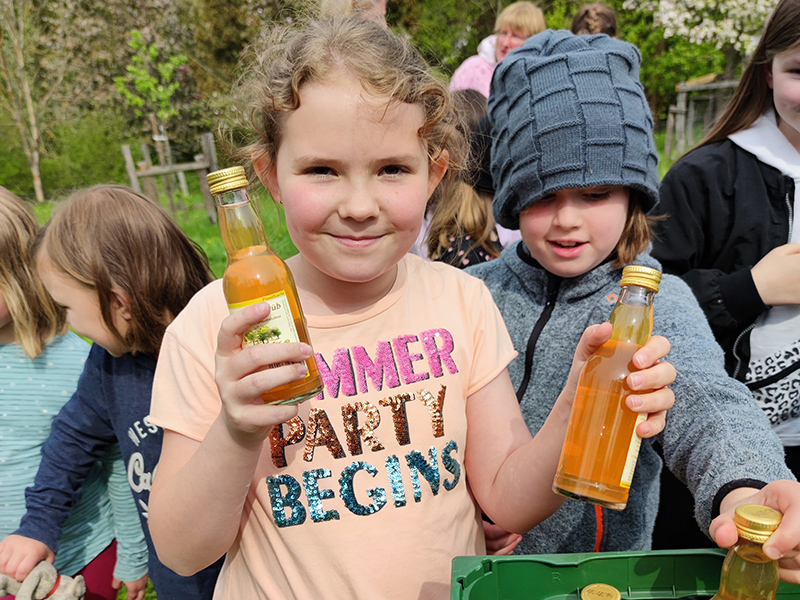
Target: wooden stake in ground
column 162, row 161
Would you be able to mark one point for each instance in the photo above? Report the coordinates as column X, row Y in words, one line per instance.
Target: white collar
column 769, row 145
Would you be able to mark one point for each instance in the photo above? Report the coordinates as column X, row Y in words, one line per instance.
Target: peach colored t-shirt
column 364, row 494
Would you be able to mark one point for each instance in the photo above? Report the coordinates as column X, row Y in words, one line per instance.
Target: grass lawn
column 150, row 594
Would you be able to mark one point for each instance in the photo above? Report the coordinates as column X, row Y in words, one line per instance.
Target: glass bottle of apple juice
column 256, row 274
column 747, row 573
column 601, row 446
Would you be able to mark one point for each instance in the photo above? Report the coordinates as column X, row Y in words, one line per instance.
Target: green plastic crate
column 655, row 575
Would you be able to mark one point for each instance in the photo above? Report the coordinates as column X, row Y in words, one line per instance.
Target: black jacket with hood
column 731, row 209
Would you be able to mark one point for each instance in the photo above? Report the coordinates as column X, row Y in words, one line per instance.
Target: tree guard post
column 130, row 167
column 203, row 164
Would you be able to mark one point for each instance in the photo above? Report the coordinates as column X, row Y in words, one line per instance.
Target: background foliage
column 77, row 48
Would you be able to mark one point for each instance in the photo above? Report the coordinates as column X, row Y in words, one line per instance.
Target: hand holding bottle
column 784, row 543
column 777, row 276
column 244, row 373
column 748, row 573
column 602, row 443
column 649, row 384
column 256, row 274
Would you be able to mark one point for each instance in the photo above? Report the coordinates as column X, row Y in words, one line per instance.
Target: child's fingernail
column 635, row 380
column 302, row 368
column 305, row 349
column 644, row 429
column 635, row 401
column 771, row 552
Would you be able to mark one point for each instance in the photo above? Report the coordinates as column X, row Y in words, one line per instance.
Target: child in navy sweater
column 123, row 270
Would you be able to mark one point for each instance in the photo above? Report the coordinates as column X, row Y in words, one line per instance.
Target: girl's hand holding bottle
column 654, row 399
column 518, row 504
column 784, row 543
column 244, row 373
column 650, row 381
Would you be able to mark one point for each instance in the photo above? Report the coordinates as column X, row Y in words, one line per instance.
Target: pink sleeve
column 493, row 348
column 475, row 74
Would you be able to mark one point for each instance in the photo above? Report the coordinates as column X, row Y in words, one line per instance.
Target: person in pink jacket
column 515, row 23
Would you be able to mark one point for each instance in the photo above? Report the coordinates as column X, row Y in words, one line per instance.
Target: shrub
column 85, row 152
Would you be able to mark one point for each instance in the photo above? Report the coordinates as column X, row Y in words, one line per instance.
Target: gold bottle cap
column 600, row 591
column 755, row 522
column 642, row 276
column 225, row 180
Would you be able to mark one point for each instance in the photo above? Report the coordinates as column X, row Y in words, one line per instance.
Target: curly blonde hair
column 374, row 10
column 386, row 66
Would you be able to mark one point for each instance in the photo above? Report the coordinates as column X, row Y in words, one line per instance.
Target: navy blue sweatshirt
column 111, row 404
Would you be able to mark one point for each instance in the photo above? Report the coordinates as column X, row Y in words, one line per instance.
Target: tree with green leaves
column 32, row 67
column 445, row 31
column 150, row 83
column 730, row 25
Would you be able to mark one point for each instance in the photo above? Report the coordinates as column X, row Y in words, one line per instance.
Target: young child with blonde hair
column 460, row 228
column 121, row 269
column 370, row 489
column 41, row 362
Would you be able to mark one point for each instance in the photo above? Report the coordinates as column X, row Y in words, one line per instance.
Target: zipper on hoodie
column 553, row 285
column 735, row 349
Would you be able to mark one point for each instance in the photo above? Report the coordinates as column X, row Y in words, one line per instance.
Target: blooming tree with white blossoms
column 729, row 24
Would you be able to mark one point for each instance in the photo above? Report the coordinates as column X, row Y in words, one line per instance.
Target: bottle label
column 633, row 454
column 277, row 328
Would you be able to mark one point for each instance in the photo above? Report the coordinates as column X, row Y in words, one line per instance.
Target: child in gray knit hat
column 568, row 112
column 575, row 169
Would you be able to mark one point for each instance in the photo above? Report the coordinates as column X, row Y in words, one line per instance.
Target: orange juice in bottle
column 601, row 446
column 256, row 274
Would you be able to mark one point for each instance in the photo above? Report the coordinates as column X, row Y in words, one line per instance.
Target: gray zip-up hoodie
column 716, row 437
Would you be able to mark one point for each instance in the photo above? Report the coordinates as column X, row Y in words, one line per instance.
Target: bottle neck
column 744, row 540
column 632, row 316
column 240, row 225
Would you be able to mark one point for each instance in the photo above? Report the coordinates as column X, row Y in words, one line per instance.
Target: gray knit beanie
column 569, row 112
